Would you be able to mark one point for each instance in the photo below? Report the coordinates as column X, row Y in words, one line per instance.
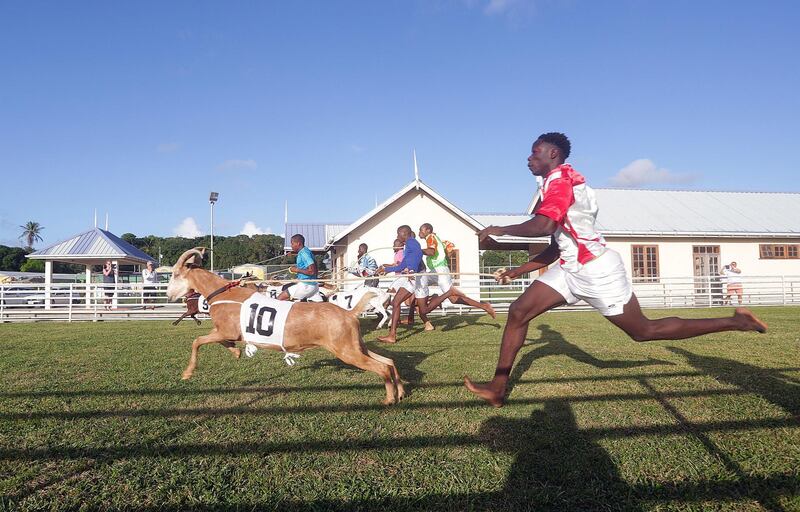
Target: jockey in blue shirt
column 306, row 270
column 411, row 263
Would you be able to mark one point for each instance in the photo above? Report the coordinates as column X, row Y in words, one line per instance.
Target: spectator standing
column 150, row 286
column 733, row 276
column 109, row 283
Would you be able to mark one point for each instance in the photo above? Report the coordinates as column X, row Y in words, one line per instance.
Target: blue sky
column 140, row 109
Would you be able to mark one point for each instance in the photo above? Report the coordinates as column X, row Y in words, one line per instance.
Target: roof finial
column 286, row 211
column 106, row 221
column 416, row 167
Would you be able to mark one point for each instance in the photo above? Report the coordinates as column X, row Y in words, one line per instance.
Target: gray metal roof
column 688, row 213
column 316, row 235
column 95, row 244
column 684, row 212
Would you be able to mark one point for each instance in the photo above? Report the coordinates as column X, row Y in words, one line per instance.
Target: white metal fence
column 79, row 302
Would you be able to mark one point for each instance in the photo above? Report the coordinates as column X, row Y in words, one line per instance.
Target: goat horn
column 197, row 251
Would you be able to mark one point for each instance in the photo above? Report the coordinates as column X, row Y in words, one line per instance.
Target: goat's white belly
column 263, row 320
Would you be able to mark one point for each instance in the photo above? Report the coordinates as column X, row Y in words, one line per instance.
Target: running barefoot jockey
column 587, row 269
column 411, row 264
column 436, row 259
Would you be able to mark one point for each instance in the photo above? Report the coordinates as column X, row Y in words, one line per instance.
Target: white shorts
column 443, row 279
column 300, row 291
column 602, row 283
column 405, row 283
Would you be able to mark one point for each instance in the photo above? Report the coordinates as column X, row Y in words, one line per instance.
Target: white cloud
column 188, row 229
column 516, row 9
column 644, row 172
column 232, row 164
column 168, row 147
column 251, row 229
column 497, row 6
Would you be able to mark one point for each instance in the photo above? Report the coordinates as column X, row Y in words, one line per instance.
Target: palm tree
column 31, row 233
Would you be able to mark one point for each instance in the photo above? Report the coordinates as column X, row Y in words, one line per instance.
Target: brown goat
column 308, row 325
column 192, row 307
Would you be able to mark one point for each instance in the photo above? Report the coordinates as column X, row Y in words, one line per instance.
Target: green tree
column 31, row 233
column 503, row 258
column 32, row 266
column 12, row 258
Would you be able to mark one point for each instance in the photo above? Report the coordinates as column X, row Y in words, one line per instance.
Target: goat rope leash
column 232, row 284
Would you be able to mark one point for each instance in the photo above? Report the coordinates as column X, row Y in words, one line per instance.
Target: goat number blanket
column 263, row 320
column 202, row 305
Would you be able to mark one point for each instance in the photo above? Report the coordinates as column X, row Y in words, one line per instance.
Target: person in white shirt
column 150, row 279
column 733, row 276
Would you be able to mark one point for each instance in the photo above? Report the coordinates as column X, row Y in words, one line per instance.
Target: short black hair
column 299, row 238
column 557, row 139
column 427, row 225
column 364, row 246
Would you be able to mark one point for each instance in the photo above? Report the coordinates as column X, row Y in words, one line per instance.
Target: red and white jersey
column 565, row 198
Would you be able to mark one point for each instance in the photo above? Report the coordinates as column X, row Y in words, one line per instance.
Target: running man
column 436, row 259
column 398, row 246
column 306, row 270
column 412, row 263
column 588, row 270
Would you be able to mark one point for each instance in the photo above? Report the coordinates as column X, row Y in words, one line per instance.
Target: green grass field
column 95, row 416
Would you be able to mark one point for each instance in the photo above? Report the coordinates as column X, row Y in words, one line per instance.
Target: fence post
column 783, row 289
column 69, row 306
column 2, row 302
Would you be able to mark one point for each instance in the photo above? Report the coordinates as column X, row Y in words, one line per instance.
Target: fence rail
column 81, row 302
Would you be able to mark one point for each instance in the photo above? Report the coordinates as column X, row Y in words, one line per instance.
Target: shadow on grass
column 766, row 383
column 453, row 323
column 554, row 344
column 556, row 466
column 407, row 363
column 186, row 389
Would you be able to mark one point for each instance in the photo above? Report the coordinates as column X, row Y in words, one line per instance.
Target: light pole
column 212, row 199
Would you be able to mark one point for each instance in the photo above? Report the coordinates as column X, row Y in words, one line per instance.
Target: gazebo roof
column 93, row 247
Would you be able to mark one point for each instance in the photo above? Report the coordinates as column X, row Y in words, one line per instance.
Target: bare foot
column 749, row 321
column 429, row 326
column 484, row 391
column 406, row 322
column 387, row 339
column 489, row 309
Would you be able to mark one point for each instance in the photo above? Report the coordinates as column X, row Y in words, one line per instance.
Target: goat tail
column 363, row 303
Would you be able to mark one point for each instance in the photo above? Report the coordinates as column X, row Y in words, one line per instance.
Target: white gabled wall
column 414, row 208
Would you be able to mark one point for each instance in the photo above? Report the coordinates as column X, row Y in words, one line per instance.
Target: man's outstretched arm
column 539, row 225
column 541, row 260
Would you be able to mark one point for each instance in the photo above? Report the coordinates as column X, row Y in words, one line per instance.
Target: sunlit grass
column 95, row 415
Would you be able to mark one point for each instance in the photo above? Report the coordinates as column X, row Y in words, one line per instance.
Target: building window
column 645, row 262
column 778, row 251
column 452, row 263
